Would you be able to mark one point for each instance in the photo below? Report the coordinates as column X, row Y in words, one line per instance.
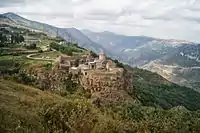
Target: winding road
column 30, row 56
column 45, row 49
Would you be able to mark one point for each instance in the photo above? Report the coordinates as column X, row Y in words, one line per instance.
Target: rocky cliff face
column 104, row 86
column 53, row 79
column 108, row 87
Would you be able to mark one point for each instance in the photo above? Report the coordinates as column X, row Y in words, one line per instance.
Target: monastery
column 82, row 64
column 97, row 75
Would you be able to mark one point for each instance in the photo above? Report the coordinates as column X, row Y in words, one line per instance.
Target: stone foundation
column 108, row 86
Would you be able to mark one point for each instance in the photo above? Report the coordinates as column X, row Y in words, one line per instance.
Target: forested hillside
column 153, row 90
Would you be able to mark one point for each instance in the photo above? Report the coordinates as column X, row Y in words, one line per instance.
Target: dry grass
column 21, row 103
column 52, row 55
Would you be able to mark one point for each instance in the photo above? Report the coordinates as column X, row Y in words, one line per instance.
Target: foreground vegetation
column 26, row 109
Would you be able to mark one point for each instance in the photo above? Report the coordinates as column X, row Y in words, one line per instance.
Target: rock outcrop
column 108, row 86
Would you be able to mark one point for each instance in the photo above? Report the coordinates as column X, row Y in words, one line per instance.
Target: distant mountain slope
column 110, row 40
column 177, row 61
column 181, row 67
column 5, row 20
column 185, row 56
column 69, row 34
column 135, row 50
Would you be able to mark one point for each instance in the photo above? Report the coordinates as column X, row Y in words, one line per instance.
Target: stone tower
column 102, row 56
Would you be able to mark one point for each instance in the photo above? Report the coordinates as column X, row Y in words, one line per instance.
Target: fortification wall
column 108, row 87
column 96, row 81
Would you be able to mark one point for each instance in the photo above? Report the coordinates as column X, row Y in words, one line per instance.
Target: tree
column 76, row 62
column 69, row 53
column 119, row 64
column 1, row 43
column 93, row 54
column 21, row 38
column 3, row 40
column 12, row 38
column 16, row 38
column 33, row 46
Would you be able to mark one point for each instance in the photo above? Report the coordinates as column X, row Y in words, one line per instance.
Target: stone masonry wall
column 108, row 87
column 96, row 81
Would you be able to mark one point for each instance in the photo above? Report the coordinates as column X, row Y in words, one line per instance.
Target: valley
column 137, row 51
column 181, row 67
column 185, row 76
column 59, row 80
column 175, row 60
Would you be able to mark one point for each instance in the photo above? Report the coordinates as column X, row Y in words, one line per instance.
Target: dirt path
column 30, row 56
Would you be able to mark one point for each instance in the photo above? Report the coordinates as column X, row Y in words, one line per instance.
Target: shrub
column 66, row 49
column 40, row 51
column 32, row 46
column 68, row 117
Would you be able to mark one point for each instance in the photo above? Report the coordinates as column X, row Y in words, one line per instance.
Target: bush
column 40, row 51
column 24, row 78
column 68, row 49
column 48, row 66
column 119, row 64
column 68, row 117
column 32, row 46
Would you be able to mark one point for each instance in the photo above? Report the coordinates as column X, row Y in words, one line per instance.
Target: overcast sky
column 177, row 19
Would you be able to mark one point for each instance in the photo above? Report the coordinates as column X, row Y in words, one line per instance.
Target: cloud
column 54, row 14
column 5, row 3
column 179, row 19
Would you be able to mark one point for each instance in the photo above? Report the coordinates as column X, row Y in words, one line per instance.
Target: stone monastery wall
column 96, row 81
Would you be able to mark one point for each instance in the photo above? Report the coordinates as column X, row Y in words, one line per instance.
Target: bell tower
column 102, row 56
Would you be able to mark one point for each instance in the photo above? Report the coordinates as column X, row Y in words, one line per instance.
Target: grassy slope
column 19, row 107
column 26, row 109
column 153, row 90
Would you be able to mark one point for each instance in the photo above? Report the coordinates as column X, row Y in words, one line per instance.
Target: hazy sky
column 178, row 19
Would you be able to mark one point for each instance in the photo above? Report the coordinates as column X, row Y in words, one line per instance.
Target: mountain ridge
column 112, row 33
column 66, row 33
column 134, row 49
